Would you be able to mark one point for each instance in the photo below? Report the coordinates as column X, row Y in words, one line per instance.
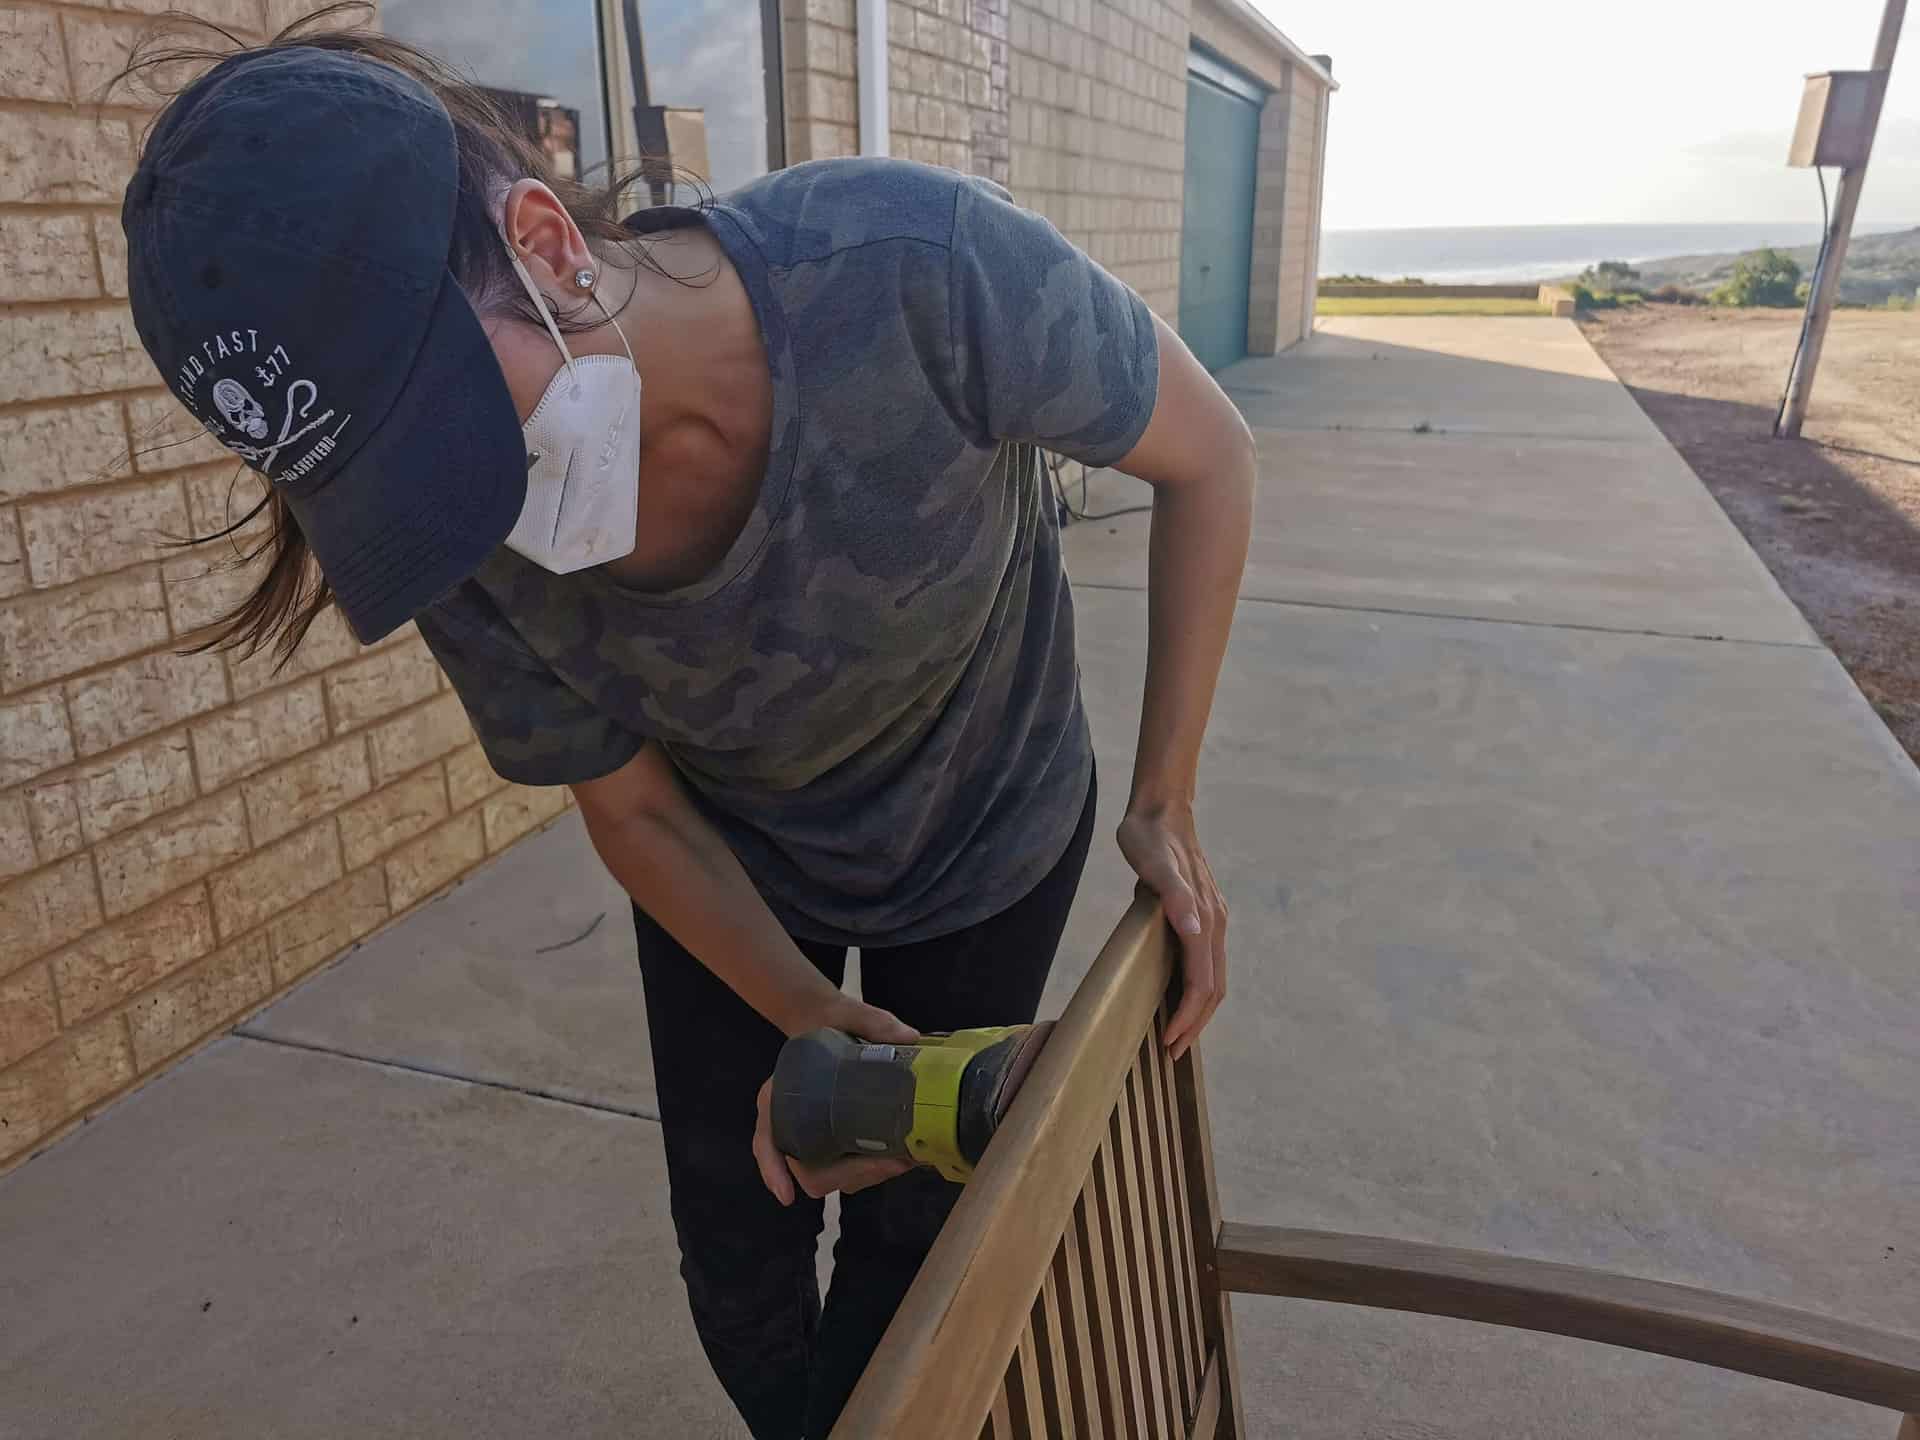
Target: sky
column 1513, row 112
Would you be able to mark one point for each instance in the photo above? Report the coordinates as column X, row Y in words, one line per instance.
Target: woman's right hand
column 779, row 1173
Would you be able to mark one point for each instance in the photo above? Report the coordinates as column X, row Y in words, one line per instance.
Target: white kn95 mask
column 583, row 456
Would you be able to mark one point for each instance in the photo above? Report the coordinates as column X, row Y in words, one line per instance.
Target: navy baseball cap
column 287, row 240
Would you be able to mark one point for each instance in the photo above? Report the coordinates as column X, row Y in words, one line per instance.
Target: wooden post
column 1846, row 200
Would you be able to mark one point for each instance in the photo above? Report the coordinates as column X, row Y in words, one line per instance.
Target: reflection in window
column 544, row 53
column 707, row 55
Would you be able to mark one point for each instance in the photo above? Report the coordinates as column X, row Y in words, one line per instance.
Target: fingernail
column 1190, row 925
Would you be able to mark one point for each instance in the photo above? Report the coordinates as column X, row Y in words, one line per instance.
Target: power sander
column 936, row 1103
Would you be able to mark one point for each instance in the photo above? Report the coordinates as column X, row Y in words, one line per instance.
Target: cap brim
column 432, row 492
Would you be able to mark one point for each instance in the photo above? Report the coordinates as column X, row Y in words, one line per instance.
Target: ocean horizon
column 1505, row 254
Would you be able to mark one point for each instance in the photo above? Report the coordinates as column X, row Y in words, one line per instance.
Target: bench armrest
column 1727, row 1331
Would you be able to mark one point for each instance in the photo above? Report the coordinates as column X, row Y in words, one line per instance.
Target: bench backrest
column 1074, row 1290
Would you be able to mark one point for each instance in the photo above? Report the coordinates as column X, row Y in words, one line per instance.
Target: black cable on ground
column 1806, row 316
column 1055, row 466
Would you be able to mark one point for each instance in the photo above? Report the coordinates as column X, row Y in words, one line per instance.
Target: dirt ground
column 1835, row 515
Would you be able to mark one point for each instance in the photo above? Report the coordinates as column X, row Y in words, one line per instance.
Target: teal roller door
column 1216, row 230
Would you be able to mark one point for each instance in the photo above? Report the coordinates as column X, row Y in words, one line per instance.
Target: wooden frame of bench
column 1080, row 1287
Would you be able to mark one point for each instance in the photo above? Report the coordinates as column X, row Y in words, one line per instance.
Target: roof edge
column 1245, row 11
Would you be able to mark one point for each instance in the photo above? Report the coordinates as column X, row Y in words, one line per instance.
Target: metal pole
column 870, row 46
column 1826, row 288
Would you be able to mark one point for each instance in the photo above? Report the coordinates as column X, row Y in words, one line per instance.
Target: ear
column 541, row 232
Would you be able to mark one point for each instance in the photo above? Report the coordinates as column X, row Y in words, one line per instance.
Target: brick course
column 1097, row 112
column 817, row 57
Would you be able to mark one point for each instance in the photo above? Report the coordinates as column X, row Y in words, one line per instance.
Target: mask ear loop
column 546, row 316
column 627, row 408
column 540, row 304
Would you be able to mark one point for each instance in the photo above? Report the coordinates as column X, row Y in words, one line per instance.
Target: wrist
column 1160, row 802
column 814, row 1004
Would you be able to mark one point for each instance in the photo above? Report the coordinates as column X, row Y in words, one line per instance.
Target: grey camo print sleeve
column 534, row 727
column 1049, row 349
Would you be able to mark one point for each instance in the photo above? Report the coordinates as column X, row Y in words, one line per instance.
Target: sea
column 1499, row 254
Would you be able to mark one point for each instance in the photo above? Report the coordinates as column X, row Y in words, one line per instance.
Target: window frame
column 610, row 16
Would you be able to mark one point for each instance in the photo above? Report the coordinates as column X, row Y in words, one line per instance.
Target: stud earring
column 583, row 279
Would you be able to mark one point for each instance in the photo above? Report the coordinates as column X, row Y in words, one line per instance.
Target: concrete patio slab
column 1612, row 535
column 269, row 1242
column 1516, row 376
column 525, row 976
column 1492, row 469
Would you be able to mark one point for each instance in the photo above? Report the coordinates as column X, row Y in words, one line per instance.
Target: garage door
column 1216, row 231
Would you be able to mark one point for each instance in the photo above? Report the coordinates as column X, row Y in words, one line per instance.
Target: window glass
column 708, row 55
column 545, row 54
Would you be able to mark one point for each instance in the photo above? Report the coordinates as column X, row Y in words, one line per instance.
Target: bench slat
column 1029, row 1407
column 1206, row 1415
column 999, row 1418
column 1119, row 1292
column 1191, row 1257
column 1772, row 1341
column 1150, row 1346
column 1115, row 1394
column 1082, row 1371
column 1183, row 1385
column 1056, row 1376
column 1171, row 1215
column 1203, row 1196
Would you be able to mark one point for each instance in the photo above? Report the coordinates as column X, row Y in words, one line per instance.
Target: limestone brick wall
column 180, row 837
column 947, row 83
column 818, row 67
column 1292, row 231
column 1098, row 111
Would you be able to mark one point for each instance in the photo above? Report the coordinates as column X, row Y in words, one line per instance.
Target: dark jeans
column 748, row 1263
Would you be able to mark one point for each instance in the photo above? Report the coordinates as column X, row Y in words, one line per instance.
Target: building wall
column 1098, row 111
column 947, row 83
column 819, row 67
column 1286, row 215
column 1080, row 107
column 180, row 837
column 1286, row 186
column 1299, row 217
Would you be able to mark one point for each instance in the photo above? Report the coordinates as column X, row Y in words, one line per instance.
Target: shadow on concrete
column 1543, row 380
column 1414, row 480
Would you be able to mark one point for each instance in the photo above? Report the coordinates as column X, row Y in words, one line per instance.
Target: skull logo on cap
column 243, row 412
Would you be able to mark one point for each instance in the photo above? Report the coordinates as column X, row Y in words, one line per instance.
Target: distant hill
column 1877, row 266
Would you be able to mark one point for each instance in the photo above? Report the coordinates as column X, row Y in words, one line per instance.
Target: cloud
column 706, row 53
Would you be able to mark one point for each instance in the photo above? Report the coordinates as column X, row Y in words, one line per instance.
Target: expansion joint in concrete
column 535, row 1092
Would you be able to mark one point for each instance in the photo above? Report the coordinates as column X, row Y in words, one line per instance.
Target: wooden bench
column 1080, row 1287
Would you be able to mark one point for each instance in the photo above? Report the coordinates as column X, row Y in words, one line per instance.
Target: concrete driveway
column 1576, row 892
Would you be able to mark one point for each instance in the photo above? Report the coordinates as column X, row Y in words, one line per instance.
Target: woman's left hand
column 1165, row 853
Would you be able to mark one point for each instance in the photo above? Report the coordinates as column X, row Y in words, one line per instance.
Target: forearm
column 1196, row 554
column 682, row 873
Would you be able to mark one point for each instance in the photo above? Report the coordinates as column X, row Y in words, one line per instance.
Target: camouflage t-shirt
column 874, row 696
